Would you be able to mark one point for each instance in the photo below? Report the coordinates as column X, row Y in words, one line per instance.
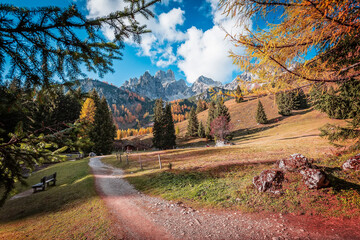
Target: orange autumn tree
column 280, row 54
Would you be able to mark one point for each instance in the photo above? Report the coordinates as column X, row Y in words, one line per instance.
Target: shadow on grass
column 304, row 136
column 247, row 133
column 338, row 183
column 74, row 183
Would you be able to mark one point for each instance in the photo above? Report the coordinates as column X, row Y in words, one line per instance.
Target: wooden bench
column 45, row 181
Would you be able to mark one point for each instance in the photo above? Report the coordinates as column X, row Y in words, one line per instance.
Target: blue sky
column 185, row 37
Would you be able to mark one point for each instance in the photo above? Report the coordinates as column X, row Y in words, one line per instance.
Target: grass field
column 221, row 177
column 69, row 210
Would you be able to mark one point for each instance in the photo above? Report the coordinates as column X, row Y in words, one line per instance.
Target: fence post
column 120, row 157
column 127, row 159
column 141, row 167
column 159, row 161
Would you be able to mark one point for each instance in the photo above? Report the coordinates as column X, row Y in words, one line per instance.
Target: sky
column 186, row 37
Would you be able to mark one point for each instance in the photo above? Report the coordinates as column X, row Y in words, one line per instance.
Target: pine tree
column 193, row 123
column 299, row 99
column 260, row 114
column 169, row 137
column 103, row 131
column 222, row 110
column 285, row 103
column 201, row 130
column 210, row 118
column 199, row 106
column 158, row 125
column 238, row 94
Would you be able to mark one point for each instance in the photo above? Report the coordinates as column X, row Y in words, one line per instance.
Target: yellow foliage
column 87, row 113
column 279, row 55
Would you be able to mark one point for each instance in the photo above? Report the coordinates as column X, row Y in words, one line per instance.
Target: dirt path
column 138, row 216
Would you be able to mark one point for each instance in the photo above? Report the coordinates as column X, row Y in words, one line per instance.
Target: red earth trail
column 139, row 216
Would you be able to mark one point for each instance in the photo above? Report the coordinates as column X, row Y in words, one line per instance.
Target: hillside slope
column 283, row 135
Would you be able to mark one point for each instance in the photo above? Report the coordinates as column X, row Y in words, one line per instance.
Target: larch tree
column 279, row 53
column 40, row 46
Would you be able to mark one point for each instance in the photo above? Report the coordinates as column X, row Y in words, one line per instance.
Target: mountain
column 203, row 83
column 126, row 106
column 164, row 85
column 244, row 77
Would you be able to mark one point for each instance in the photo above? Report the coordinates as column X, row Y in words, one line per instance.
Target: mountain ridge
column 164, row 85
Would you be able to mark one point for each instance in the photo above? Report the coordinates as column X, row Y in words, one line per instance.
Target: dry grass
column 221, row 177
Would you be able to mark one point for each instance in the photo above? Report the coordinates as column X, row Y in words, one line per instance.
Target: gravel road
column 138, row 216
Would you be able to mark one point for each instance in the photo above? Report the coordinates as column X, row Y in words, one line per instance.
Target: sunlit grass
column 70, row 210
column 222, row 177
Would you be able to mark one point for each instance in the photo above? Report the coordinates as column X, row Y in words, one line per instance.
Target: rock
column 294, row 163
column 352, row 163
column 269, row 181
column 314, row 178
column 92, row 154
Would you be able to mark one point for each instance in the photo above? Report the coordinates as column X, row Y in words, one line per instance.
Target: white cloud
column 165, row 27
column 164, row 33
column 205, row 53
column 200, row 52
column 166, row 2
column 167, row 58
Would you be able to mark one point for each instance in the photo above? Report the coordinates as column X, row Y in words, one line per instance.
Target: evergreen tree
column 260, row 114
column 201, row 130
column 238, row 94
column 41, row 45
column 158, row 124
column 103, row 130
column 199, row 106
column 285, row 103
column 299, row 99
column 169, row 137
column 210, row 118
column 193, row 123
column 222, row 110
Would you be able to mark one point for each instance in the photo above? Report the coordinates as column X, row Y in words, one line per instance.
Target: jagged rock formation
column 164, row 85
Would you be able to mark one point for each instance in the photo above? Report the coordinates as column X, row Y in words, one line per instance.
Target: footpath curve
column 138, row 216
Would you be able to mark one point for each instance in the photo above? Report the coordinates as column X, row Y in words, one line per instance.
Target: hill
column 296, row 133
column 126, row 106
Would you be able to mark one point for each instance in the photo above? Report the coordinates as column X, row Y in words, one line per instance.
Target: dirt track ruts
column 138, row 216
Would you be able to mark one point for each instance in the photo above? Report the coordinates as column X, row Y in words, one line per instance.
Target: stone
column 295, row 162
column 269, row 181
column 352, row 163
column 314, row 178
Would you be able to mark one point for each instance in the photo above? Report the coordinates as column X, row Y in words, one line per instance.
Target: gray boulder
column 352, row 163
column 314, row 178
column 295, row 162
column 269, row 181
